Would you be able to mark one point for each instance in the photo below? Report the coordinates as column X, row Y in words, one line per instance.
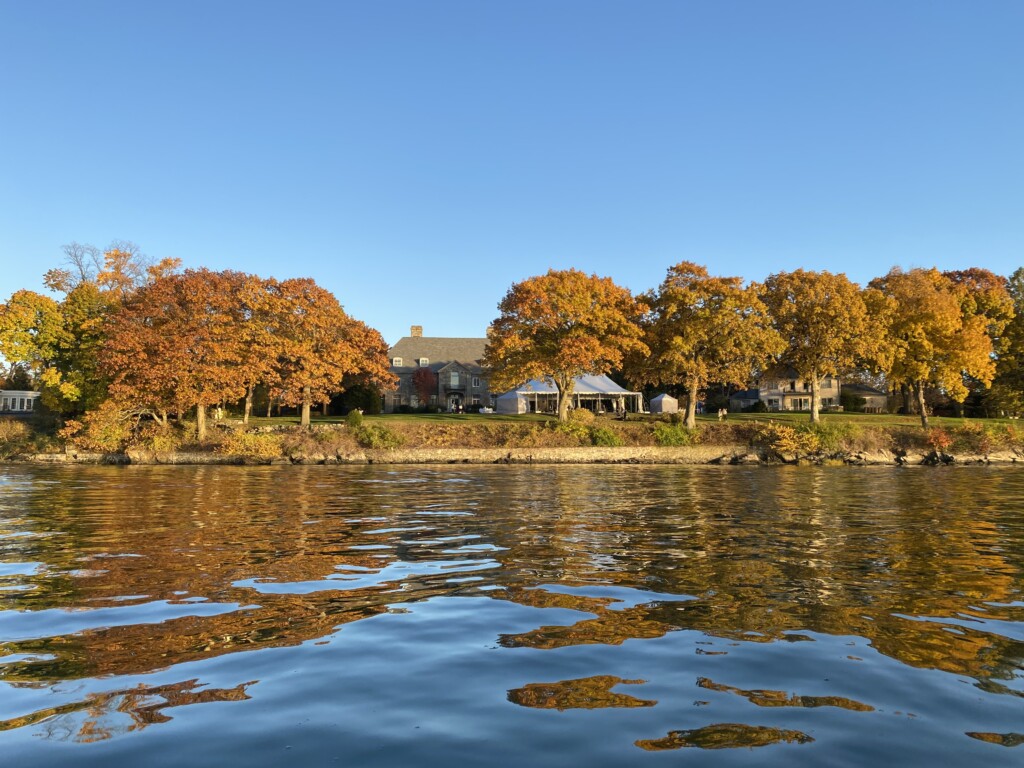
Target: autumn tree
column 1008, row 385
column 703, row 329
column 31, row 330
column 174, row 343
column 562, row 325
column 424, row 381
column 318, row 348
column 824, row 323
column 59, row 341
column 936, row 333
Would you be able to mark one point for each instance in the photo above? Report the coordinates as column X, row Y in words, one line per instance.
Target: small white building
column 664, row 403
column 17, row 401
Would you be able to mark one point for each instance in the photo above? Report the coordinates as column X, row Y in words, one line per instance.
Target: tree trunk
column 815, row 397
column 564, row 399
column 304, row 421
column 270, row 405
column 921, row 406
column 326, row 403
column 248, row 405
column 691, row 405
column 200, row 423
column 907, row 406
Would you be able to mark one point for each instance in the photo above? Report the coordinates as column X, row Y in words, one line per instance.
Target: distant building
column 17, row 401
column 784, row 390
column 875, row 400
column 461, row 381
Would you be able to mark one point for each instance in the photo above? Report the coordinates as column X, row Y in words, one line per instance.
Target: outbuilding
column 664, row 403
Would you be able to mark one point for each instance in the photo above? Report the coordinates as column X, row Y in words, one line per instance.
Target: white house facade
column 18, row 401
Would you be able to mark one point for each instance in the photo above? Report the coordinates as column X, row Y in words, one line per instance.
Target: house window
column 4, row 406
column 433, row 399
column 396, row 362
column 29, row 404
column 792, row 386
column 424, row 362
column 21, row 405
column 476, row 381
column 476, row 400
column 455, row 378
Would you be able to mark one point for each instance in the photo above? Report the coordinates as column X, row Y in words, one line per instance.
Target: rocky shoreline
column 690, row 455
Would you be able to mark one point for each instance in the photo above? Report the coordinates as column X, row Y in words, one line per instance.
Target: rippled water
column 492, row 616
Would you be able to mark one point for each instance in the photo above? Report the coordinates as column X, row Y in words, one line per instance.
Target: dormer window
column 424, row 362
column 396, row 362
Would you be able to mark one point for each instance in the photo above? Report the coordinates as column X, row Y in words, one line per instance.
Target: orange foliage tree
column 175, row 344
column 562, row 325
column 318, row 349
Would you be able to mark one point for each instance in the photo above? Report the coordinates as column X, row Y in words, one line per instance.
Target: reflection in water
column 881, row 591
column 585, row 693
column 724, row 736
column 103, row 715
column 1004, row 739
column 783, row 699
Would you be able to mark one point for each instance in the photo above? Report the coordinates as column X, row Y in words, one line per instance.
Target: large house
column 784, row 390
column 460, row 381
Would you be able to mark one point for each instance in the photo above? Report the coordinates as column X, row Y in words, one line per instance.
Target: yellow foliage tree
column 703, row 329
column 562, row 325
column 824, row 322
column 937, row 334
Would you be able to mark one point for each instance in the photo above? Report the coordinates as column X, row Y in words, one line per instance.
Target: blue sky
column 418, row 157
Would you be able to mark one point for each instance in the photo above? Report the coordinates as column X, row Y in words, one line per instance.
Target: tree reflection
column 926, row 567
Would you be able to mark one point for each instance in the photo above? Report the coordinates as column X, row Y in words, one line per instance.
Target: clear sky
column 417, row 157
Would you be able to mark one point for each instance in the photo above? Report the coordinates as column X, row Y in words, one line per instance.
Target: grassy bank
column 787, row 436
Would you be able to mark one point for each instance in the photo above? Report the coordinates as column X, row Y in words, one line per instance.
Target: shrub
column 13, row 431
column 107, row 429
column 14, row 437
column 834, row 437
column 675, row 435
column 158, row 438
column 354, row 419
column 787, row 440
column 604, row 436
column 939, row 439
column 370, row 436
column 575, row 429
column 675, row 418
column 581, row 416
column 758, row 407
column 253, row 445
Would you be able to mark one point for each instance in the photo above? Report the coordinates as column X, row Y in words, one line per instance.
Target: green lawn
column 444, row 418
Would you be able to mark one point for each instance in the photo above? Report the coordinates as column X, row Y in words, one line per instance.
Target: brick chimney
column 416, row 331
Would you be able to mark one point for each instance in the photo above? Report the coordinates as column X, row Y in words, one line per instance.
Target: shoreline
column 717, row 455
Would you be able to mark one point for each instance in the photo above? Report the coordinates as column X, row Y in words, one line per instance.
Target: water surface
column 510, row 615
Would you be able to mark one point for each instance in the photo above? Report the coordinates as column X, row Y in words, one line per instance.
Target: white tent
column 664, row 404
column 598, row 393
column 511, row 402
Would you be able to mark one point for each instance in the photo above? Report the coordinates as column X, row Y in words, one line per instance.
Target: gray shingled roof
column 439, row 351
